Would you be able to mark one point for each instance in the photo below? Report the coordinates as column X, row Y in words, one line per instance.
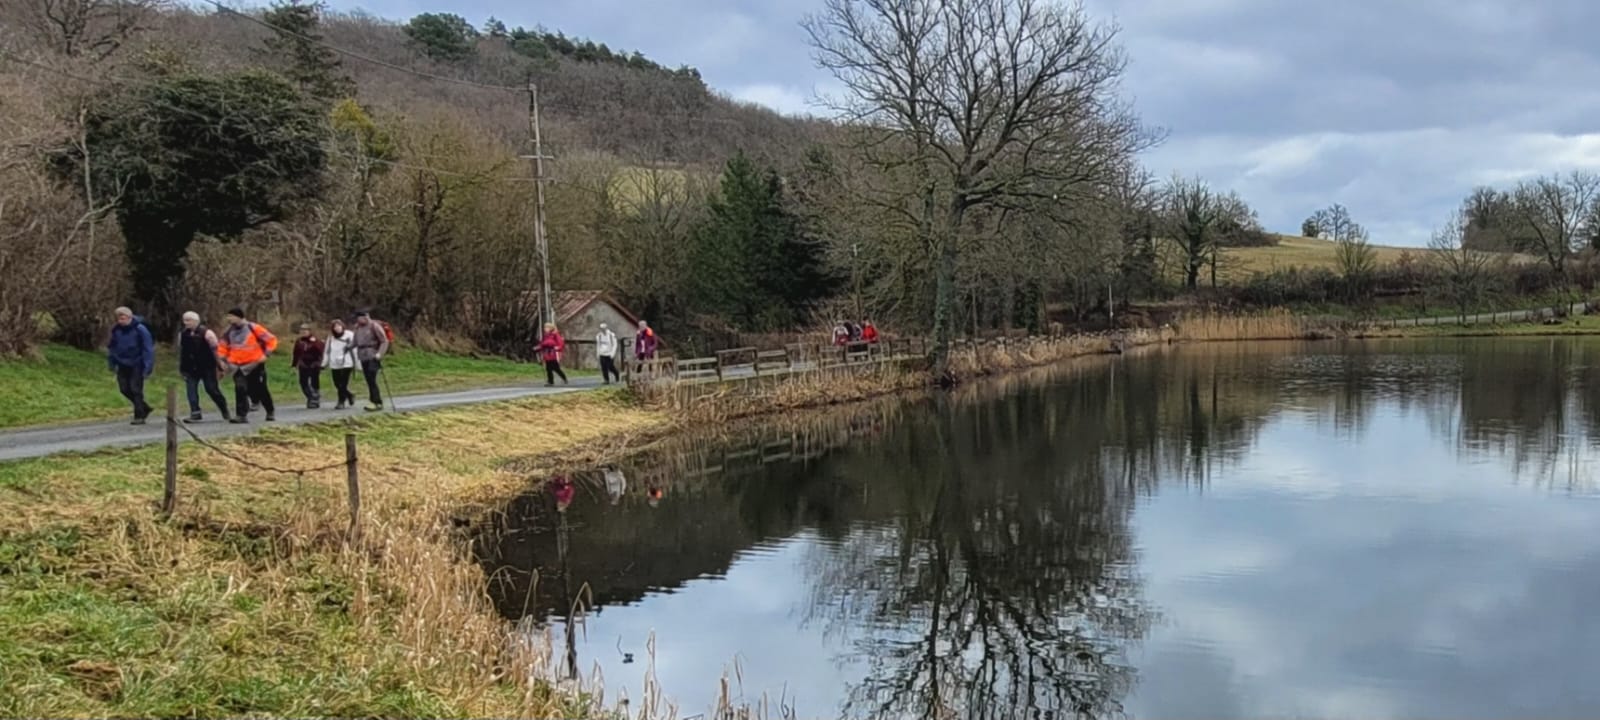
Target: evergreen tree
column 752, row 264
column 298, row 52
column 443, row 36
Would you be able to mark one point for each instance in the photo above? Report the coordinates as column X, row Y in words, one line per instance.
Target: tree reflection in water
column 975, row 546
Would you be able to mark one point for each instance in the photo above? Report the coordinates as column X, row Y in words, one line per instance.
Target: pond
column 1374, row 530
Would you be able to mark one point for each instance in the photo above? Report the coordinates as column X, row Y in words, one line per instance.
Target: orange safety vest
column 255, row 347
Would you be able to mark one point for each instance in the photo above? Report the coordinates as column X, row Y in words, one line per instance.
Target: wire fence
column 169, row 499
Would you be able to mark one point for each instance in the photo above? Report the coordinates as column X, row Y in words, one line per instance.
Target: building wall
column 580, row 329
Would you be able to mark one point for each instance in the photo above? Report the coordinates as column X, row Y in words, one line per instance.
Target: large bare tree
column 1198, row 217
column 1555, row 212
column 993, row 103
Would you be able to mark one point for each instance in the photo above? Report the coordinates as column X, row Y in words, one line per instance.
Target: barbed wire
column 297, row 472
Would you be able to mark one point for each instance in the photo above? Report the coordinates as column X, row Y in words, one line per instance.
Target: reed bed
column 1277, row 324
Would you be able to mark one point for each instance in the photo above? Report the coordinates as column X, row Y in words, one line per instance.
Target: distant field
column 1292, row 251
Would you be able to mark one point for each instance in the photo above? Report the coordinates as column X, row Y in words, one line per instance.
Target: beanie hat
column 236, row 312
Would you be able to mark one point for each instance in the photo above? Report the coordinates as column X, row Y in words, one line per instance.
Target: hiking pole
column 394, row 400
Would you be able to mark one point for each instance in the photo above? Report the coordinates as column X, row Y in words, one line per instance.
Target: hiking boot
column 239, row 420
column 340, row 406
column 271, row 417
column 193, row 418
column 137, row 421
column 226, row 417
column 311, row 405
column 374, row 407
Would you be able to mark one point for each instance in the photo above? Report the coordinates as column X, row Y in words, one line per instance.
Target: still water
column 1380, row 530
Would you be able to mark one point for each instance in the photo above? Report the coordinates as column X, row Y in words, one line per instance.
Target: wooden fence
column 748, row 362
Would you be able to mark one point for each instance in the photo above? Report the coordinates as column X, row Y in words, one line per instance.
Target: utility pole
column 855, row 276
column 540, row 243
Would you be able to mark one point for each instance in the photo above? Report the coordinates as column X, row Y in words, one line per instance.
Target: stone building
column 579, row 313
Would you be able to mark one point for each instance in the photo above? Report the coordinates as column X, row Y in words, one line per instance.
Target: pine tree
column 299, row 53
column 752, row 264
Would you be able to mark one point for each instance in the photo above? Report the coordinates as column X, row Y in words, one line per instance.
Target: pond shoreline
column 277, row 595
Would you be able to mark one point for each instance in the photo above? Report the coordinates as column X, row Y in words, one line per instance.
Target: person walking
column 243, row 349
column 308, row 353
column 371, row 345
column 869, row 332
column 131, row 354
column 605, row 347
column 645, row 344
column 339, row 356
column 197, row 363
column 550, row 347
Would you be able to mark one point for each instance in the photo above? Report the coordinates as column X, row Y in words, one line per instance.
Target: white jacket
column 605, row 344
column 340, row 352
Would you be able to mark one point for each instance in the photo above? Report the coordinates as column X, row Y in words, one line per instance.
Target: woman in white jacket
column 340, row 357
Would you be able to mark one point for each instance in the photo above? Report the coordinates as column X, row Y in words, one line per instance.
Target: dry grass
column 254, row 599
column 1270, row 325
column 994, row 356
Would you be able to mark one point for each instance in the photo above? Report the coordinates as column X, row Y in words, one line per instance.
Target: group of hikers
column 849, row 331
column 240, row 350
column 606, row 344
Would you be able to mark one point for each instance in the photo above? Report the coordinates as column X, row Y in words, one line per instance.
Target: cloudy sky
column 1395, row 108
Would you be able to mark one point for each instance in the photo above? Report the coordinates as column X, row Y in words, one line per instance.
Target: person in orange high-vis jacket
column 243, row 349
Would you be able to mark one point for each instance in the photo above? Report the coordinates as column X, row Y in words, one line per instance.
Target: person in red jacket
column 550, row 349
column 869, row 333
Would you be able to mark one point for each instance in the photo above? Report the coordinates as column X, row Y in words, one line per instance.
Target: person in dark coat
column 131, row 354
column 197, row 363
column 308, row 351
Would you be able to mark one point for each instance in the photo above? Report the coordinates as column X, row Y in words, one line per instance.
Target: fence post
column 717, row 363
column 169, row 498
column 352, row 481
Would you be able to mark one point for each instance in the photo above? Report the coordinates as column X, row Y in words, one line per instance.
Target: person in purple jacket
column 645, row 344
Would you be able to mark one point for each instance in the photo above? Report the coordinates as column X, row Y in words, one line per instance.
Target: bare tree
column 1462, row 270
column 995, row 103
column 1198, row 217
column 1556, row 212
column 90, row 29
column 1352, row 253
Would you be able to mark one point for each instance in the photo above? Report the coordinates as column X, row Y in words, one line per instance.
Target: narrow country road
column 84, row 437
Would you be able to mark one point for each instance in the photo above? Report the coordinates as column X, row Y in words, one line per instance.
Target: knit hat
column 236, row 312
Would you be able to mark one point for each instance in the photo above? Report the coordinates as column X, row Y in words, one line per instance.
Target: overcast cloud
column 1395, row 108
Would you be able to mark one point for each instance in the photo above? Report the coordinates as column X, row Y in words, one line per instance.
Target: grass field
column 70, row 384
column 1292, row 251
column 1577, row 325
column 252, row 600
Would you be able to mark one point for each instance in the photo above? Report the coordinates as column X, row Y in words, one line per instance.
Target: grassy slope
column 1290, row 252
column 70, row 384
column 248, row 601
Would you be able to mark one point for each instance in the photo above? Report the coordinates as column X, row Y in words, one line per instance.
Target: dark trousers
column 370, row 369
column 130, row 382
column 608, row 369
column 341, row 383
column 249, row 386
column 552, row 368
column 311, row 384
column 191, row 385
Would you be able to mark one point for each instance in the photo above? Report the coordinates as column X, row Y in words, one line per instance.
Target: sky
column 1395, row 108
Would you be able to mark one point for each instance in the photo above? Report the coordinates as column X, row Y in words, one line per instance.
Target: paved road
column 38, row 442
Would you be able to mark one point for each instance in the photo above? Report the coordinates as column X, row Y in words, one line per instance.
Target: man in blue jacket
column 131, row 354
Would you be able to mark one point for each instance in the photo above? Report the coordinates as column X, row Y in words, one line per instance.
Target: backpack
column 388, row 334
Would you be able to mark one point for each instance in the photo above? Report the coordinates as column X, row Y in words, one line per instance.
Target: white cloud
column 783, row 98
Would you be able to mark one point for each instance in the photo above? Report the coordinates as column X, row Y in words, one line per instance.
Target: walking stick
column 394, row 400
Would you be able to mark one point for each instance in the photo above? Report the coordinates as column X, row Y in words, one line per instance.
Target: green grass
column 237, row 606
column 1577, row 325
column 68, row 384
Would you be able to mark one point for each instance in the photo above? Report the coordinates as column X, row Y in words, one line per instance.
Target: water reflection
column 1215, row 530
